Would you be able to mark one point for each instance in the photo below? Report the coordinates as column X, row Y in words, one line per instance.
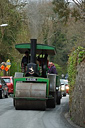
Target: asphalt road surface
column 51, row 118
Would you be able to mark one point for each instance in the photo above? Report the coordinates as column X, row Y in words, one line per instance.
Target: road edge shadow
column 70, row 121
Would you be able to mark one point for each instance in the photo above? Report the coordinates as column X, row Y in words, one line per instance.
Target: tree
column 73, row 31
column 66, row 9
column 9, row 15
column 62, row 9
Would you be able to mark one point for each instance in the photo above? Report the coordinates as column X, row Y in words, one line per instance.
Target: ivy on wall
column 75, row 58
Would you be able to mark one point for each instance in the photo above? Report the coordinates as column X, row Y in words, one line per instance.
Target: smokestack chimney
column 33, row 50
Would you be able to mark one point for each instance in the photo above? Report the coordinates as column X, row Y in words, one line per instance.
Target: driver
column 25, row 61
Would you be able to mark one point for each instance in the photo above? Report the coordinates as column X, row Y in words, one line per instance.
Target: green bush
column 15, row 67
column 75, row 58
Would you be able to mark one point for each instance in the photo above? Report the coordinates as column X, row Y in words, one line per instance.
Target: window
column 7, row 80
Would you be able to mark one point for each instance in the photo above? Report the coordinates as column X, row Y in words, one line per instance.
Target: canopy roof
column 41, row 48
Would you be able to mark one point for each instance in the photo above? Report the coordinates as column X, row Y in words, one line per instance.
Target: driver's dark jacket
column 24, row 60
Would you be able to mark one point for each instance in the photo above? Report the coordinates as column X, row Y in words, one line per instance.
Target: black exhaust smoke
column 33, row 50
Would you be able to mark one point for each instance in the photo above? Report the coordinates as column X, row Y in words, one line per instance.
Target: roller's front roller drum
column 30, row 90
column 30, row 105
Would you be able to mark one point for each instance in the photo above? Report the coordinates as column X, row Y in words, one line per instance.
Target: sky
column 44, row 0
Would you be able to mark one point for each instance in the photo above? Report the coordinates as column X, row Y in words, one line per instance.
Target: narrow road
column 51, row 118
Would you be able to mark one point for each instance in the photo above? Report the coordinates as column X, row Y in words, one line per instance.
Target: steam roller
column 33, row 87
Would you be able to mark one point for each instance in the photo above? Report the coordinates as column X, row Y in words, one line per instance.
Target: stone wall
column 77, row 107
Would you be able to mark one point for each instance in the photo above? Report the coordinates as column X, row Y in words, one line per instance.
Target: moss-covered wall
column 76, row 72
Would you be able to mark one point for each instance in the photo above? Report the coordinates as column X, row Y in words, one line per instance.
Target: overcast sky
column 44, row 0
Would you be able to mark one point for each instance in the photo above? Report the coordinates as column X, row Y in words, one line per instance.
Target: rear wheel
column 51, row 103
column 58, row 101
column 13, row 101
column 64, row 94
column 1, row 94
column 58, row 97
column 6, row 96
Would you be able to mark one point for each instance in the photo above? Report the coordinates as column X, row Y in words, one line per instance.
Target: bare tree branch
column 77, row 3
